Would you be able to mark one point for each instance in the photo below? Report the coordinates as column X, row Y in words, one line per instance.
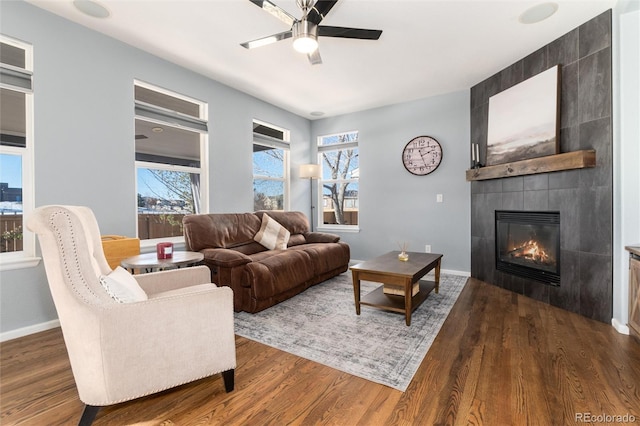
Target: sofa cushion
column 219, row 230
column 296, row 240
column 277, row 274
column 272, row 235
column 321, row 237
column 226, row 258
column 326, row 257
column 249, row 248
column 122, row 287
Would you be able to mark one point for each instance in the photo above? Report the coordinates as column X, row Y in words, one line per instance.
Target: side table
column 149, row 262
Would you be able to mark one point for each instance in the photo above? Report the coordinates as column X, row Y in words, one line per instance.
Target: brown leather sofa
column 259, row 277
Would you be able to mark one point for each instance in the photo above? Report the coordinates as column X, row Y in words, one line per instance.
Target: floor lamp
column 311, row 172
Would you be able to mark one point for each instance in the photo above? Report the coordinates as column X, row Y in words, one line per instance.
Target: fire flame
column 532, row 251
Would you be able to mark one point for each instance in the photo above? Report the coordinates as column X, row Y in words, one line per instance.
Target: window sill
column 19, row 263
column 344, row 228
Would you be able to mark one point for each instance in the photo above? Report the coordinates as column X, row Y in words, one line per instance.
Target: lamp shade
column 310, row 171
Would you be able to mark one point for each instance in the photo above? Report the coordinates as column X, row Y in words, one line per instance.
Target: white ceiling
column 427, row 47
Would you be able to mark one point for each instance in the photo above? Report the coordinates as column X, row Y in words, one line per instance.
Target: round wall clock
column 422, row 155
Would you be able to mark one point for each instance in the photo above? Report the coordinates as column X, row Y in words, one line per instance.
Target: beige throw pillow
column 122, row 287
column 272, row 235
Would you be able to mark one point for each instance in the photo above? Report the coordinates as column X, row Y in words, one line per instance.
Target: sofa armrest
column 225, row 258
column 321, row 237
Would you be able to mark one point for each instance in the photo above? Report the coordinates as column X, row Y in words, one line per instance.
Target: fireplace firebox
column 528, row 244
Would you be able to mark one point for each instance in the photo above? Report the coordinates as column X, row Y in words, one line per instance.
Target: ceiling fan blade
column 320, row 10
column 314, row 57
column 266, row 40
column 344, row 32
column 276, row 11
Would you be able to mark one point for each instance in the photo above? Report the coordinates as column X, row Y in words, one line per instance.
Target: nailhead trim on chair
column 68, row 272
column 103, row 404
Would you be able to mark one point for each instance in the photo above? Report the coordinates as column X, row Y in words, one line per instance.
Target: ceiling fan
column 306, row 30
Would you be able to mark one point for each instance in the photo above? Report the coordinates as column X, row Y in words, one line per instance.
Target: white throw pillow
column 272, row 235
column 122, row 287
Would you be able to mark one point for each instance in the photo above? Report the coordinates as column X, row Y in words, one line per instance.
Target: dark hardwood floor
column 499, row 359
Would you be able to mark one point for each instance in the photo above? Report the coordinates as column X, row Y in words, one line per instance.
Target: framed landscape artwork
column 524, row 119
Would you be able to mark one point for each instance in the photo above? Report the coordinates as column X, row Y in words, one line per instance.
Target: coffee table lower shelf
column 390, row 302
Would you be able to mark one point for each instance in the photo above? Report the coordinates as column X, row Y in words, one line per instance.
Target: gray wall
column 84, row 127
column 84, row 152
column 583, row 197
column 396, row 205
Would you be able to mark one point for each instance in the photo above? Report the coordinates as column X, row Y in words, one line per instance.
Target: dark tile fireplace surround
column 582, row 197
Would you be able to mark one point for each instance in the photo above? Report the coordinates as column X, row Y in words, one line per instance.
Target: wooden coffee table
column 388, row 269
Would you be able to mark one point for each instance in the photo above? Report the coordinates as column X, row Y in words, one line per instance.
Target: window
column 338, row 155
column 17, row 244
column 270, row 166
column 171, row 169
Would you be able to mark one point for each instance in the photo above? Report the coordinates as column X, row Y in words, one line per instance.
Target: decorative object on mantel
column 475, row 156
column 524, row 120
column 552, row 163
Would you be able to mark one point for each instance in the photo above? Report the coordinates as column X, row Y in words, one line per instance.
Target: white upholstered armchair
column 177, row 330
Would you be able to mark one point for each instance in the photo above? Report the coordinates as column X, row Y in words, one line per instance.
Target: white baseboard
column 620, row 328
column 25, row 331
column 454, row 272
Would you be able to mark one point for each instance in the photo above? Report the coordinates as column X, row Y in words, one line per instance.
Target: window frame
column 319, row 183
column 25, row 258
column 272, row 142
column 202, row 170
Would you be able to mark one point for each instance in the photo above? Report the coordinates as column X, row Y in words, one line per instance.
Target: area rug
column 321, row 325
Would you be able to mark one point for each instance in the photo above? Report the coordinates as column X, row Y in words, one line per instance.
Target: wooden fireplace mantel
column 552, row 163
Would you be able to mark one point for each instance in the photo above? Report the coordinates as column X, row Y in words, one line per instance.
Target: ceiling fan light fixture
column 304, row 32
column 304, row 44
column 305, row 37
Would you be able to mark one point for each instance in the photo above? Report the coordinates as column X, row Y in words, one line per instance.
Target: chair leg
column 228, row 377
column 88, row 415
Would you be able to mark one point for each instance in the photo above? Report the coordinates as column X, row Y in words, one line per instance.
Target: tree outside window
column 339, row 158
column 270, row 165
column 268, row 178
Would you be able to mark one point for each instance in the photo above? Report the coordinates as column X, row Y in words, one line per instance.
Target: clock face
column 422, row 155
